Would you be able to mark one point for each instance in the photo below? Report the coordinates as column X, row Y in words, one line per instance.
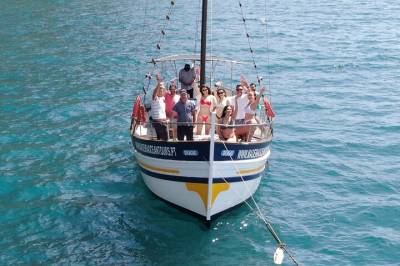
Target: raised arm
column 245, row 84
column 159, row 81
column 254, row 105
column 155, row 92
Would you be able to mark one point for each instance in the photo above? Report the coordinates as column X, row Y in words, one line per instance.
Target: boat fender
column 138, row 112
column 268, row 109
column 278, row 256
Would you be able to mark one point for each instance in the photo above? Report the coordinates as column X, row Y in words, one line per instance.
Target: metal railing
column 262, row 131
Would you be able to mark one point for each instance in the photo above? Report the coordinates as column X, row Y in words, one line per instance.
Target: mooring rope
column 259, row 213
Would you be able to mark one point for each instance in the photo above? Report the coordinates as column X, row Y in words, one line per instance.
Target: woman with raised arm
column 250, row 112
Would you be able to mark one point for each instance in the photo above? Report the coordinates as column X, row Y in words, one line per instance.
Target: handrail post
column 211, row 168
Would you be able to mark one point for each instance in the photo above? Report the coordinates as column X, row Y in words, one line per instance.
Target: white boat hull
column 185, row 182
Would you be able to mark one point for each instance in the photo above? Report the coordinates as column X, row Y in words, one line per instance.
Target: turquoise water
column 70, row 190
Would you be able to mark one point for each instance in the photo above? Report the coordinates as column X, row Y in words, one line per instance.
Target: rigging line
column 197, row 27
column 145, row 16
column 211, row 42
column 249, row 42
column 211, row 27
column 164, row 26
column 262, row 217
column 268, row 51
column 168, row 18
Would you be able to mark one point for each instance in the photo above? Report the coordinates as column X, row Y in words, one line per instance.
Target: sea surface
column 70, row 189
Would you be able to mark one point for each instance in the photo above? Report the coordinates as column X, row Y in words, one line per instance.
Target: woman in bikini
column 250, row 113
column 206, row 105
column 225, row 129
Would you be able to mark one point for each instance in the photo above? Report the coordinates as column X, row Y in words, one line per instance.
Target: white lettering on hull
column 159, row 150
column 253, row 153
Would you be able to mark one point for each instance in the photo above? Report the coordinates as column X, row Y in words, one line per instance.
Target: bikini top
column 229, row 125
column 205, row 102
column 248, row 110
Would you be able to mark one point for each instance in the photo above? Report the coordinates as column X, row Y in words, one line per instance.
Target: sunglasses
column 220, row 92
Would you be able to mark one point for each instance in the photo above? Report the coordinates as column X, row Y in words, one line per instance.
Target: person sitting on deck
column 225, row 129
column 158, row 114
column 185, row 111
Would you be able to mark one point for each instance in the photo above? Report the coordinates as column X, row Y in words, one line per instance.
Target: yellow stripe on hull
column 251, row 171
column 158, row 169
column 202, row 190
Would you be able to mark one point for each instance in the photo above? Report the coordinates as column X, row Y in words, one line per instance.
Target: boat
column 207, row 175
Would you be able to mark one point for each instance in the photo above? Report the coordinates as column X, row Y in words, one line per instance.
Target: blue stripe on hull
column 199, row 150
column 197, row 179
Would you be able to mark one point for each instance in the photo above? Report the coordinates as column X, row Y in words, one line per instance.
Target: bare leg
column 174, row 133
column 199, row 128
column 208, row 127
column 251, row 133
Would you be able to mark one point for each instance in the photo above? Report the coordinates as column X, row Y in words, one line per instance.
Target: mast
column 203, row 82
column 203, row 43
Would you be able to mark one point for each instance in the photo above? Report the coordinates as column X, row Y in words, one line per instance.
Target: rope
column 267, row 53
column 259, row 213
column 145, row 16
column 158, row 46
column 211, row 43
column 249, row 42
column 197, row 27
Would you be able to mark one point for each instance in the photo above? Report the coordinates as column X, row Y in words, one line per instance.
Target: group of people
column 238, row 119
column 236, row 114
column 169, row 106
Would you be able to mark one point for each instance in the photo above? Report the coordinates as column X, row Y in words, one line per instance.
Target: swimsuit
column 227, row 126
column 250, row 111
column 205, row 102
column 204, row 118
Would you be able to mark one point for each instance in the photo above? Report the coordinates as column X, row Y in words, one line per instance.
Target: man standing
column 187, row 76
column 171, row 98
column 240, row 101
column 185, row 110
